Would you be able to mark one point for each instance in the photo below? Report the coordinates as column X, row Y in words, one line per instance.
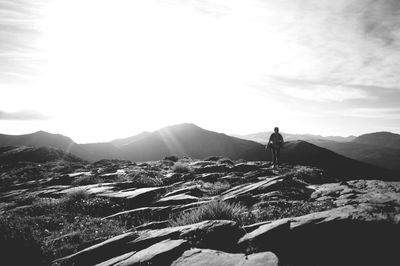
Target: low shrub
column 213, row 189
column 146, row 181
column 181, row 168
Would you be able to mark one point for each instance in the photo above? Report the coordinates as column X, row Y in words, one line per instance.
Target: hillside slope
column 377, row 155
column 382, row 139
column 45, row 139
column 304, row 153
column 17, row 154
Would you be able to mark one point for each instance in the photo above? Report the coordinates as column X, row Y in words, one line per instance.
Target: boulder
column 350, row 235
column 271, row 236
column 200, row 257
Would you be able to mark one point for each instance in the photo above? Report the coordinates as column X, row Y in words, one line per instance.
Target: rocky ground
column 196, row 212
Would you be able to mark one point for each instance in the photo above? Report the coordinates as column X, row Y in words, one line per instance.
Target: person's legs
column 277, row 157
column 274, row 158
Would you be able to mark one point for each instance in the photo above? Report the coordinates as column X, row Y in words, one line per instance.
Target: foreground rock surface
column 219, row 234
column 295, row 215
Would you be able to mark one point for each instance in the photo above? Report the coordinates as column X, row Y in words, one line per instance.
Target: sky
column 96, row 70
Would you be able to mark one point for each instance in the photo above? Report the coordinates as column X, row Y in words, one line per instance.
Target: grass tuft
column 181, row 168
column 215, row 210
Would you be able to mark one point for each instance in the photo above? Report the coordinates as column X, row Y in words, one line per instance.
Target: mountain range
column 195, row 142
column 262, row 137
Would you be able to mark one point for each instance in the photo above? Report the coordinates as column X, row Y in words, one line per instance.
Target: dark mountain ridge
column 382, row 139
column 17, row 154
column 45, row 139
column 380, row 148
column 195, row 142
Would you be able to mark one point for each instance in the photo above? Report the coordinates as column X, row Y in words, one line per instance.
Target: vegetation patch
column 274, row 210
column 214, row 189
column 51, row 228
column 181, row 168
column 215, row 210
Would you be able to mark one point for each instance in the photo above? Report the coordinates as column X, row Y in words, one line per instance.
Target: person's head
column 276, row 129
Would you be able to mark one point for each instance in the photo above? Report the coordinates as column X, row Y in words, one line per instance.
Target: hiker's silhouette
column 275, row 143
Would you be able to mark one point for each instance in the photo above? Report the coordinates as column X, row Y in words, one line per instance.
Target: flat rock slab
column 139, row 211
column 92, row 189
column 153, row 225
column 117, row 259
column 179, row 199
column 192, row 205
column 244, row 167
column 359, row 191
column 162, row 253
column 189, row 190
column 100, row 252
column 217, row 234
column 200, row 257
column 212, row 169
column 255, row 188
column 132, row 193
column 209, row 177
column 161, row 245
column 136, row 197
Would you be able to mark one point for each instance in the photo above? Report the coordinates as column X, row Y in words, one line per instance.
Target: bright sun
column 149, row 63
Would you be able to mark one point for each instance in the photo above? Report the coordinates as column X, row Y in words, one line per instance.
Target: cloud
column 325, row 93
column 318, row 91
column 379, row 97
column 392, row 113
column 18, row 30
column 381, row 20
column 23, row 115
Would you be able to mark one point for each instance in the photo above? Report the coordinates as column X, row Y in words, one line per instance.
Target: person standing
column 275, row 143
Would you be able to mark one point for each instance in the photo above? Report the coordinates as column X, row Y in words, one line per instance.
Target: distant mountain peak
column 182, row 126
